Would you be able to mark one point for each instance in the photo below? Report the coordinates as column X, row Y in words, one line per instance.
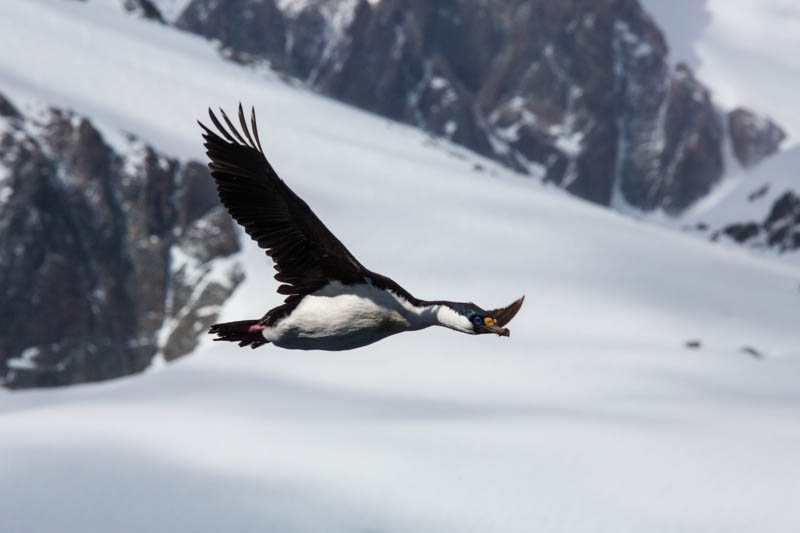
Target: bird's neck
column 423, row 314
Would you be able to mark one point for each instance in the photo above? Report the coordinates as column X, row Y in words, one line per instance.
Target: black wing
column 306, row 254
column 505, row 314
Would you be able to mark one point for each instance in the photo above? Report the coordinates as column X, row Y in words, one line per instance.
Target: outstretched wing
column 505, row 314
column 306, row 254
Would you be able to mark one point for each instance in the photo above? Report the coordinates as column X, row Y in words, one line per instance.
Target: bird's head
column 469, row 318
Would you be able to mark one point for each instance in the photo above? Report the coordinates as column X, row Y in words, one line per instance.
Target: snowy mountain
column 746, row 51
column 605, row 107
column 649, row 384
column 583, row 95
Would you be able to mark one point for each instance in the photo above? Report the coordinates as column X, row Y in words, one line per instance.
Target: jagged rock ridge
column 107, row 256
column 580, row 94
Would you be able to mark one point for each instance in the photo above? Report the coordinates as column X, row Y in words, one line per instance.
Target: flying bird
column 332, row 301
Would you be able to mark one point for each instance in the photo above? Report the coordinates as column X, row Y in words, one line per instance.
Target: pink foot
column 255, row 328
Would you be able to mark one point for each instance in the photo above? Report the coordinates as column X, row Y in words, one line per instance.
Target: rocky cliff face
column 108, row 255
column 580, row 94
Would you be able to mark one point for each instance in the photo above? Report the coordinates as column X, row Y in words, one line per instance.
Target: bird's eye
column 477, row 320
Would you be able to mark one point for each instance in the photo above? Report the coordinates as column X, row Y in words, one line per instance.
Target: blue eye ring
column 477, row 320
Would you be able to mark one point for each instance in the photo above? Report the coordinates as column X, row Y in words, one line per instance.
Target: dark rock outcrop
column 254, row 29
column 678, row 155
column 580, row 94
column 7, row 109
column 780, row 229
column 742, row 232
column 753, row 137
column 108, row 256
column 782, row 225
column 144, row 8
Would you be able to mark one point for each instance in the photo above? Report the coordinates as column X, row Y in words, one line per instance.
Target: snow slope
column 593, row 416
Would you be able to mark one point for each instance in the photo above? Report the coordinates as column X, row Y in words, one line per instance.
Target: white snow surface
column 592, row 417
column 171, row 9
column 745, row 50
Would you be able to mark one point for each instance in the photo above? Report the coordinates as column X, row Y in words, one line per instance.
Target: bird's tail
column 239, row 332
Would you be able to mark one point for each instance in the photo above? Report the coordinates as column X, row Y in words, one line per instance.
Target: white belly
column 342, row 317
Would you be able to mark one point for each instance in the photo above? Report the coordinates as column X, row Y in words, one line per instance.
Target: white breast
column 342, row 317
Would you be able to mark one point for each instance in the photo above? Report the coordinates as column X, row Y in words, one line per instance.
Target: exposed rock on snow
column 87, row 242
column 780, row 230
column 144, row 8
column 758, row 208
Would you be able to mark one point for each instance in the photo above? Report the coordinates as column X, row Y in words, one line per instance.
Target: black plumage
column 307, row 255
